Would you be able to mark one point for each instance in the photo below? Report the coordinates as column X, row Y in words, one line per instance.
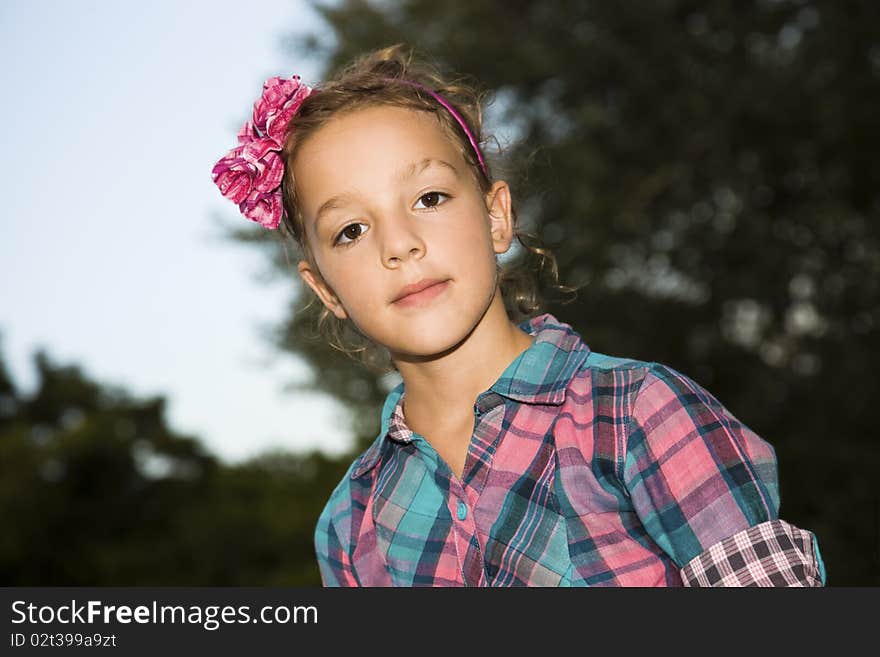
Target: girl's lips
column 424, row 296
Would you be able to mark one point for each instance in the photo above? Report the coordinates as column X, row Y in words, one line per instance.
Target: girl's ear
column 313, row 279
column 498, row 204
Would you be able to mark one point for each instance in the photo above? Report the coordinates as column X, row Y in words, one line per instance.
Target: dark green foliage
column 706, row 169
column 95, row 489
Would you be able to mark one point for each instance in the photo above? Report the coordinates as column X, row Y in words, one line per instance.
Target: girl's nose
column 400, row 241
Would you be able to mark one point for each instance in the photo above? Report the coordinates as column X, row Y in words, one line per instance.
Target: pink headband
column 452, row 111
column 250, row 174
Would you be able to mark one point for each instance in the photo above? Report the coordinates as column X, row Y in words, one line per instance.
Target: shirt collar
column 539, row 375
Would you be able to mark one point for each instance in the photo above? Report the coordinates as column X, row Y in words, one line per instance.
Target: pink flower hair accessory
column 250, row 174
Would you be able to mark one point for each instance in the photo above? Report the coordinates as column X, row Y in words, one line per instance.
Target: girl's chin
column 425, row 346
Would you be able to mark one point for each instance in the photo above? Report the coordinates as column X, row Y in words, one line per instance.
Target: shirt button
column 462, row 511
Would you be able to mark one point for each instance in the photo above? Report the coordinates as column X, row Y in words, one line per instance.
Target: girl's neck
column 445, row 388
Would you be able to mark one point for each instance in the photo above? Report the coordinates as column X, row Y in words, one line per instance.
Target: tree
column 706, row 170
column 96, row 490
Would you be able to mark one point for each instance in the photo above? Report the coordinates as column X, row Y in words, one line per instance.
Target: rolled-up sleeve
column 774, row 553
column 706, row 489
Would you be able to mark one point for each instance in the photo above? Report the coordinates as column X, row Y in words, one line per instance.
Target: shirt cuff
column 773, row 553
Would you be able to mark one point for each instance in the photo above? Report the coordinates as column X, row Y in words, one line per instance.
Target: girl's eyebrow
column 417, row 167
column 338, row 201
column 332, row 203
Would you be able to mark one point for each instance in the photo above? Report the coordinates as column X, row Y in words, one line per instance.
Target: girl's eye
column 432, row 199
column 353, row 232
column 350, row 234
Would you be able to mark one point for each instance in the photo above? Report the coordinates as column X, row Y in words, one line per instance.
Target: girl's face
column 388, row 201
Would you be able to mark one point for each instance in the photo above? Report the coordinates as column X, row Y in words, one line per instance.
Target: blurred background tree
column 704, row 169
column 96, row 490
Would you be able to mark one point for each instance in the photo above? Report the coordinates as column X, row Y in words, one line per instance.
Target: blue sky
column 110, row 257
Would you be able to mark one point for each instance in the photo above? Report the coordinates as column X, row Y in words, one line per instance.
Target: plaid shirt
column 583, row 470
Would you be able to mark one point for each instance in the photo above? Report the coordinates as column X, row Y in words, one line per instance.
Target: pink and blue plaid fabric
column 583, row 470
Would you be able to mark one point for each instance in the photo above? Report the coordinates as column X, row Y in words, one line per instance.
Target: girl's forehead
column 370, row 148
column 373, row 133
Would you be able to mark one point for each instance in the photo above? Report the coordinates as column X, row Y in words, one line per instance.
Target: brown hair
column 369, row 81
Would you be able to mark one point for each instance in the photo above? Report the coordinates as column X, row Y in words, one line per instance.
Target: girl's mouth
column 422, row 296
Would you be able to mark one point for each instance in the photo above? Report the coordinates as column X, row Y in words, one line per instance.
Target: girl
column 511, row 453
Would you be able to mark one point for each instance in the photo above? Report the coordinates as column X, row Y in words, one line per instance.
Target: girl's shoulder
column 596, row 360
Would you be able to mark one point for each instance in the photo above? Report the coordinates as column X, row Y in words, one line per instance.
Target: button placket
column 460, row 508
column 464, row 529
